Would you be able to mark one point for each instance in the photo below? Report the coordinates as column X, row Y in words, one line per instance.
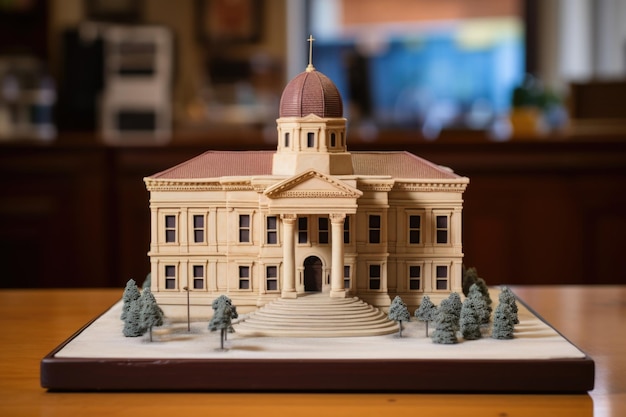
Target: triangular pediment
column 312, row 184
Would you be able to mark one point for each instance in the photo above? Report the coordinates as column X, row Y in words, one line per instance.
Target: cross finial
column 310, row 67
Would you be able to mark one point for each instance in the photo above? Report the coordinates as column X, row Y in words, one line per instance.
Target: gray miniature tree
column 502, row 323
column 456, row 304
column 132, row 322
column 507, row 297
column 399, row 312
column 221, row 320
column 445, row 329
column 147, row 282
column 131, row 293
column 426, row 312
column 480, row 305
column 470, row 321
column 223, row 299
column 484, row 290
column 151, row 313
column 470, row 276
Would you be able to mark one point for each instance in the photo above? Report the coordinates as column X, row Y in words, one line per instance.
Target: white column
column 289, row 256
column 337, row 289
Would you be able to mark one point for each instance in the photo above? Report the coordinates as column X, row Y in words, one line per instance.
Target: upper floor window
column 244, row 228
column 333, row 140
column 244, row 277
column 322, row 229
column 170, row 277
column 374, row 277
column 441, row 277
column 198, row 277
column 346, row 230
column 271, row 227
column 198, row 228
column 170, row 228
column 287, row 140
column 415, row 277
column 310, row 140
column 442, row 229
column 374, row 228
column 415, row 227
column 303, row 230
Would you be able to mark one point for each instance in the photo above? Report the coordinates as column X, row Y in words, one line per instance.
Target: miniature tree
column 426, row 312
column 480, row 305
column 147, row 282
column 484, row 290
column 399, row 312
column 470, row 321
column 502, row 322
column 456, row 304
column 223, row 299
column 132, row 322
column 131, row 293
column 221, row 320
column 445, row 330
column 470, row 276
column 506, row 296
column 151, row 313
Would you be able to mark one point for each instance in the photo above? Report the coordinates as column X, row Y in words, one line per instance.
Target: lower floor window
column 170, row 277
column 244, row 277
column 441, row 277
column 346, row 276
column 415, row 277
column 374, row 277
column 198, row 277
column 271, row 278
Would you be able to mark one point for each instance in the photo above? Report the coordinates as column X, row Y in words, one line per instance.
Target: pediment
column 312, row 184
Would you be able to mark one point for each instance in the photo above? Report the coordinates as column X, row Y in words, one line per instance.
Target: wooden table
column 33, row 322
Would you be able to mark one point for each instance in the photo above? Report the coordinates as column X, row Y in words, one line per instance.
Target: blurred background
column 525, row 97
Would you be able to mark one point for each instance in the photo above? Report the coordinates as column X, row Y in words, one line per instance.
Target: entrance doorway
column 312, row 274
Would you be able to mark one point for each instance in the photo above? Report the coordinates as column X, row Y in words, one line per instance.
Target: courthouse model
column 308, row 217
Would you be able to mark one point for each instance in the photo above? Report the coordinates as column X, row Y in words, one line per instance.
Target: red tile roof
column 215, row 164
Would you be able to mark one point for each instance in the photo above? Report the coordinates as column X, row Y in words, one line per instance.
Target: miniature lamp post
column 188, row 314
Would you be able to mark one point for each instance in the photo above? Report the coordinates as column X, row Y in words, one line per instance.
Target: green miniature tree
column 147, row 282
column 470, row 276
column 484, row 290
column 506, row 296
column 223, row 299
column 426, row 312
column 151, row 313
column 502, row 323
column 470, row 321
column 131, row 293
column 480, row 305
column 445, row 330
column 456, row 304
column 399, row 312
column 221, row 320
column 132, row 322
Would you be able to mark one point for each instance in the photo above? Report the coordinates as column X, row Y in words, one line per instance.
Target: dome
column 311, row 92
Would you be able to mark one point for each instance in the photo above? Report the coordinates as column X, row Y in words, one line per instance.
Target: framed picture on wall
column 229, row 21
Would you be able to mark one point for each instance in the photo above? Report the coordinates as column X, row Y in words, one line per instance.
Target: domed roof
column 311, row 92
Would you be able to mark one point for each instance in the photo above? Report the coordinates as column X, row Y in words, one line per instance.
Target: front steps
column 316, row 315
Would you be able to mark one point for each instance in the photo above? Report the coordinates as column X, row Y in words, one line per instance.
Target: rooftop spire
column 310, row 67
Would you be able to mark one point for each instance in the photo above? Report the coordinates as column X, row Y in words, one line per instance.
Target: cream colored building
column 308, row 217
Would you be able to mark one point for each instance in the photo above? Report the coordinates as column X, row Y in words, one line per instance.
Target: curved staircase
column 316, row 315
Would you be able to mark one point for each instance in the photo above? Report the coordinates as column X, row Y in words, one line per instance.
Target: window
column 346, row 276
column 310, row 140
column 303, row 230
column 170, row 277
column 244, row 228
column 271, row 227
column 287, row 140
column 441, row 277
column 346, row 230
column 322, row 228
column 333, row 140
column 415, row 226
column 441, row 229
column 415, row 277
column 170, row 228
column 271, row 278
column 244, row 277
column 374, row 277
column 198, row 277
column 198, row 228
column 374, row 228
column 342, row 140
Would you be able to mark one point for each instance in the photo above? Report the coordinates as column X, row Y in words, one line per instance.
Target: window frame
column 167, row 229
column 244, row 228
column 167, row 278
column 437, row 230
column 373, row 231
column 303, row 231
column 195, row 278
column 412, row 278
column 411, row 230
column 275, row 279
column 373, row 278
column 323, row 232
column 195, row 229
column 437, row 278
column 272, row 231
column 244, row 279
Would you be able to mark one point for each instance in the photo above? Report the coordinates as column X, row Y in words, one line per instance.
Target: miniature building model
column 309, row 217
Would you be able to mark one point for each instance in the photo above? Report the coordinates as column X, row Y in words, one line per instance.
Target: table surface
column 33, row 322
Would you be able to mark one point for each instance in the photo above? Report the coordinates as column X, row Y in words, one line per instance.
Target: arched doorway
column 312, row 274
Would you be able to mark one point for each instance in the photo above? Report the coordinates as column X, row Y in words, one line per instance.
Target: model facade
column 308, row 217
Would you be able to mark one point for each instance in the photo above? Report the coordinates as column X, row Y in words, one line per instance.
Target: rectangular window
column 244, row 277
column 244, row 228
column 303, row 230
column 374, row 277
column 415, row 227
column 374, row 228
column 271, row 228
column 346, row 231
column 198, row 228
column 287, row 140
column 271, row 278
column 170, row 277
column 322, row 229
column 333, row 140
column 310, row 140
column 442, row 230
column 170, row 229
column 198, row 277
column 441, row 277
column 415, row 277
column 346, row 276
